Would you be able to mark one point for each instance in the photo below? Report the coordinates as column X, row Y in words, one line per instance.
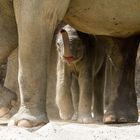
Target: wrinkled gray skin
column 75, row 74
column 36, row 22
column 9, row 100
column 9, row 89
column 122, row 65
column 11, row 83
column 8, row 42
column 7, row 97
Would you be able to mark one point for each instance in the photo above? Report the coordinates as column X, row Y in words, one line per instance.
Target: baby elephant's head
column 69, row 44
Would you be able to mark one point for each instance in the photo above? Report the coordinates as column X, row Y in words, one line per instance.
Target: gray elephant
column 80, row 60
column 125, row 85
column 36, row 21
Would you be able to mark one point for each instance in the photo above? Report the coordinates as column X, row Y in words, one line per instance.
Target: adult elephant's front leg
column 122, row 107
column 36, row 22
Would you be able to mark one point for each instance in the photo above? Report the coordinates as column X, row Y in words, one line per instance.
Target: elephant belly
column 105, row 17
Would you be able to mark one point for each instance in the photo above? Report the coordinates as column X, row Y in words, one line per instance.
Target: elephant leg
column 107, row 82
column 75, row 97
column 98, row 107
column 63, row 91
column 7, row 102
column 8, row 42
column 9, row 96
column 36, row 21
column 11, row 79
column 8, row 30
column 85, row 99
column 122, row 107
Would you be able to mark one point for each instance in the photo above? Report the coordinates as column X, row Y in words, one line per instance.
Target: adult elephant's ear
column 66, row 41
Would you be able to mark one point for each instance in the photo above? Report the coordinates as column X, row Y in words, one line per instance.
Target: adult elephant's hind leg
column 122, row 107
column 36, row 22
column 98, row 94
column 8, row 42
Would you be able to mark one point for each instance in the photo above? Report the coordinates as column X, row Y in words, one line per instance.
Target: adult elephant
column 36, row 22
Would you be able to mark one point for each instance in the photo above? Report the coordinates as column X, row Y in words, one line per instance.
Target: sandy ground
column 73, row 131
column 59, row 130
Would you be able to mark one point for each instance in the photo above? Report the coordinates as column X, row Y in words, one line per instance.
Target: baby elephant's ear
column 66, row 41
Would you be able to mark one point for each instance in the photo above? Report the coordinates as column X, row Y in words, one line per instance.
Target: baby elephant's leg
column 75, row 97
column 84, row 110
column 63, row 92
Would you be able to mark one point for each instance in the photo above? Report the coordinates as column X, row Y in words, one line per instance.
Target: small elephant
column 79, row 71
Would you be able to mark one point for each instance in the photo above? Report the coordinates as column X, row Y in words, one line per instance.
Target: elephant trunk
column 65, row 37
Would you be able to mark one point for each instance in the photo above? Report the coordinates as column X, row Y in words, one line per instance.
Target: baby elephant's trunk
column 66, row 41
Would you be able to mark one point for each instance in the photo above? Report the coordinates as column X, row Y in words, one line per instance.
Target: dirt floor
column 73, row 131
column 59, row 130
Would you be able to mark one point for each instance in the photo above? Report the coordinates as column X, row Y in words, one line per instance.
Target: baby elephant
column 75, row 73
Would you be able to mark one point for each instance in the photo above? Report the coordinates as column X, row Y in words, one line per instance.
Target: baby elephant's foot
column 75, row 116
column 65, row 116
column 28, row 118
column 85, row 119
column 7, row 102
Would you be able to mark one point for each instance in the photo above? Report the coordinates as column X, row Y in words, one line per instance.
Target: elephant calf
column 76, row 67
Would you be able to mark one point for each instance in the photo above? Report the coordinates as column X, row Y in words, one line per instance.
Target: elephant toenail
column 122, row 120
column 24, row 123
column 109, row 119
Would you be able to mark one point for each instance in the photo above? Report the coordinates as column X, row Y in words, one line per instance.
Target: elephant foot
column 98, row 119
column 75, row 116
column 25, row 123
column 65, row 116
column 127, row 116
column 26, row 117
column 4, row 111
column 7, row 102
column 6, row 117
column 109, row 119
column 85, row 119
